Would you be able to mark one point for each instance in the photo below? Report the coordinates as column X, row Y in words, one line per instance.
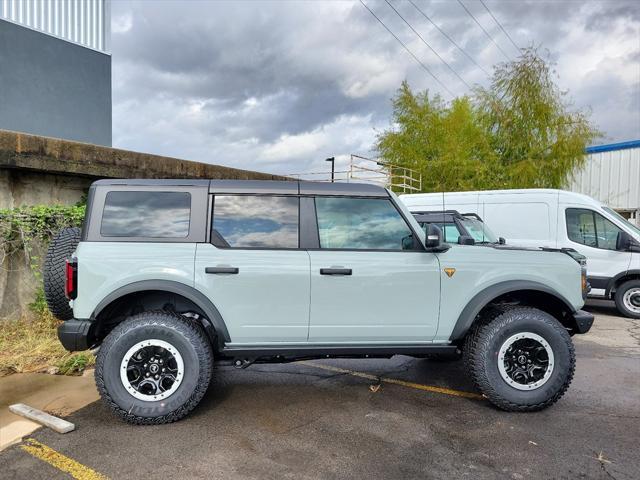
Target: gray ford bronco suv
column 167, row 277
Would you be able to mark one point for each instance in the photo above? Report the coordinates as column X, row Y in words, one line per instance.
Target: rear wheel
column 627, row 299
column 521, row 358
column 154, row 368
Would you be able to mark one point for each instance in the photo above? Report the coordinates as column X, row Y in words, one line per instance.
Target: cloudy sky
column 280, row 86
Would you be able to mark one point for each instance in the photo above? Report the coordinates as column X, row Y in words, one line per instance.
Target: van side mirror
column 502, row 241
column 466, row 240
column 626, row 243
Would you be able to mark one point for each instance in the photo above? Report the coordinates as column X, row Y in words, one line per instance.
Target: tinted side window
column 146, row 214
column 255, row 221
column 590, row 228
column 361, row 224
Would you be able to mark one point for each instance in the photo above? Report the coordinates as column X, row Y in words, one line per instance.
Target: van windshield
column 478, row 230
column 624, row 221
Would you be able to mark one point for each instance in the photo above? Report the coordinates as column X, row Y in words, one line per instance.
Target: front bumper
column 583, row 321
column 75, row 335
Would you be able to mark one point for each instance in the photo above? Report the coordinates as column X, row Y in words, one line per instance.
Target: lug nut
column 148, row 374
column 157, row 377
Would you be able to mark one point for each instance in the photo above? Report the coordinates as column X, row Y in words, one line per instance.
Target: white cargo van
column 557, row 218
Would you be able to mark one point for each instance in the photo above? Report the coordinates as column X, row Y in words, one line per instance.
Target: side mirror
column 466, row 240
column 434, row 236
column 626, row 243
column 502, row 241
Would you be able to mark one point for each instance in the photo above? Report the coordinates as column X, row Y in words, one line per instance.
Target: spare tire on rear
column 60, row 248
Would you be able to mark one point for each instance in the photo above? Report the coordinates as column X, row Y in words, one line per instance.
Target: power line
column 500, row 25
column 427, row 44
column 409, row 51
column 485, row 32
column 449, row 38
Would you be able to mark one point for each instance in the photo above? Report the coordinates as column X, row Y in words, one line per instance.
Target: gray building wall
column 52, row 87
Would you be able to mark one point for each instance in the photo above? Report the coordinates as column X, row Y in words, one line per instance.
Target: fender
column 614, row 281
column 178, row 288
column 484, row 297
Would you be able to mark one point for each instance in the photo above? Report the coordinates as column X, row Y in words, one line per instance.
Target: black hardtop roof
column 280, row 187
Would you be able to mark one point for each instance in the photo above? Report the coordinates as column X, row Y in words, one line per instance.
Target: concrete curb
column 43, row 418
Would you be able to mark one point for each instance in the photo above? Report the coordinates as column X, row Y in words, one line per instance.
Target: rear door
column 253, row 269
column 370, row 283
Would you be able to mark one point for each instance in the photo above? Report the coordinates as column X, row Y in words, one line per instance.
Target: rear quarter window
column 146, row 214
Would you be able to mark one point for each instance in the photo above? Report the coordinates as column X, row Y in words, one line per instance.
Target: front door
column 253, row 270
column 595, row 237
column 370, row 282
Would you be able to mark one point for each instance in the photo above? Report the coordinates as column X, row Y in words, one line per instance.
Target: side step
column 292, row 353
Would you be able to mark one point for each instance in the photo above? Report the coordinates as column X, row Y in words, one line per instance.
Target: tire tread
column 54, row 274
column 478, row 341
column 157, row 318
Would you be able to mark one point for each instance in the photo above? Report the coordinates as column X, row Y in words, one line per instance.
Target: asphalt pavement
column 399, row 418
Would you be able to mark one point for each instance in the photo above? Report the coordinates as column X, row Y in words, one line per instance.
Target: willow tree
column 520, row 132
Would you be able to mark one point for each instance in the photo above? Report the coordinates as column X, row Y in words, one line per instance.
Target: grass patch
column 31, row 345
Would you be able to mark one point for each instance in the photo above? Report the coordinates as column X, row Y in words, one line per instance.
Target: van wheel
column 154, row 368
column 627, row 299
column 54, row 274
column 521, row 358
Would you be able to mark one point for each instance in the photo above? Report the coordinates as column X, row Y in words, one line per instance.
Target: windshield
column 479, row 231
column 624, row 221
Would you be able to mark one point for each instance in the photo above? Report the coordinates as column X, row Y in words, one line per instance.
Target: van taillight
column 71, row 284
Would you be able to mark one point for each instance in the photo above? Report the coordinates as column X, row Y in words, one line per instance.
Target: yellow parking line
column 418, row 386
column 60, row 461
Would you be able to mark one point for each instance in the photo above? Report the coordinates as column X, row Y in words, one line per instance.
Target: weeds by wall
column 28, row 340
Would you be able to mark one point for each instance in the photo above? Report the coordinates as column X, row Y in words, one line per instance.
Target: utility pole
column 333, row 167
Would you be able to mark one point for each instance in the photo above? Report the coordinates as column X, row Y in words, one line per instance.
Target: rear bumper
column 584, row 321
column 75, row 335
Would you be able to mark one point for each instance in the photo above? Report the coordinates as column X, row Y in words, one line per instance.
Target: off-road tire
column 186, row 336
column 482, row 346
column 54, row 275
column 619, row 298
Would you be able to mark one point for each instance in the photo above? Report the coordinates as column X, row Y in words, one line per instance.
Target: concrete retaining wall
column 40, row 170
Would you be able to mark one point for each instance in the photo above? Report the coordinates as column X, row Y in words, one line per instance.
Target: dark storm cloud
column 279, row 86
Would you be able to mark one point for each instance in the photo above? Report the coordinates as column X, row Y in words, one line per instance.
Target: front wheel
column 521, row 358
column 154, row 368
column 627, row 299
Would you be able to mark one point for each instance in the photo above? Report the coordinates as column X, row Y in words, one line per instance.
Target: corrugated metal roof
column 85, row 22
column 610, row 147
column 611, row 176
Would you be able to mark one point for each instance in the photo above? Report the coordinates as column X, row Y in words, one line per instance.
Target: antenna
column 444, row 219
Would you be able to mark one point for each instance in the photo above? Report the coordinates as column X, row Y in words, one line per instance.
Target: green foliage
column 21, row 228
column 518, row 133
column 75, row 363
column 39, row 304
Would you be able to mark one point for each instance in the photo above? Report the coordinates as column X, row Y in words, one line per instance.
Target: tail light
column 71, row 283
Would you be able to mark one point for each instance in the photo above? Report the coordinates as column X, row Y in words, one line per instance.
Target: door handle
column 335, row 271
column 222, row 270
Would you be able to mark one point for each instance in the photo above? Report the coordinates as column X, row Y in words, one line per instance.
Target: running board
column 290, row 353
